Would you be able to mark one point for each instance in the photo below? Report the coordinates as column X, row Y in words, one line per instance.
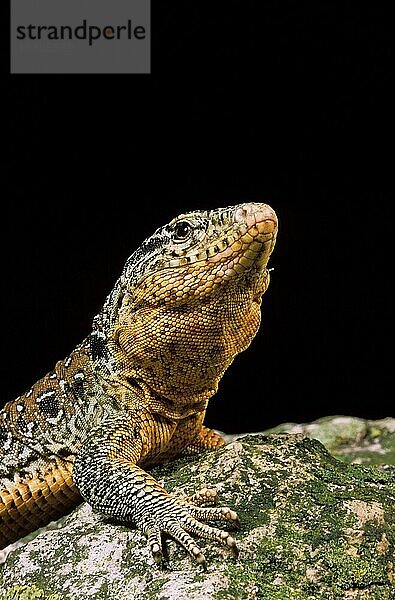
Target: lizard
column 134, row 393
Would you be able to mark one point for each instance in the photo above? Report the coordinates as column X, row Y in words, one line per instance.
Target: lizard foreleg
column 107, row 476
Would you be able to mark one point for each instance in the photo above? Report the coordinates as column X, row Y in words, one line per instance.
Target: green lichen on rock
column 350, row 439
column 28, row 592
column 313, row 527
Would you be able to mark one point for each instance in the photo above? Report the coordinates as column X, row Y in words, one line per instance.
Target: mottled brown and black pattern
column 134, row 393
column 40, row 433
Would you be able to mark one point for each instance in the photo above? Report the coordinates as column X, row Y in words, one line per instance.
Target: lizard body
column 134, row 392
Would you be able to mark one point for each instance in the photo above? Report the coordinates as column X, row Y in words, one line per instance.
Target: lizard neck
column 131, row 392
column 121, row 377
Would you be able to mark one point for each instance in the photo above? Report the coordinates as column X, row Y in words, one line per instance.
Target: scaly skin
column 134, row 393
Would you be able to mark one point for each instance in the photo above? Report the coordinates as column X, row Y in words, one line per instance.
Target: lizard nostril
column 241, row 215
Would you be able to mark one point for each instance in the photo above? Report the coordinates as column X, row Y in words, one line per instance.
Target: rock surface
column 351, row 439
column 313, row 528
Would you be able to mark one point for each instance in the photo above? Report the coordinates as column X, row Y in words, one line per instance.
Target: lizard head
column 188, row 300
column 199, row 254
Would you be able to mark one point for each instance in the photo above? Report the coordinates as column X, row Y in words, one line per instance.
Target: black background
column 289, row 105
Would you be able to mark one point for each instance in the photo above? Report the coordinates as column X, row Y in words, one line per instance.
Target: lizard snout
column 258, row 218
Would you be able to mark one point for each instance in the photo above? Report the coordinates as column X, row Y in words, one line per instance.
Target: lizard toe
column 213, row 533
column 180, row 535
column 154, row 542
column 220, row 513
column 204, row 496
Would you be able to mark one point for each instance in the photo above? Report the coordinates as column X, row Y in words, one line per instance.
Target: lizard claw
column 236, row 522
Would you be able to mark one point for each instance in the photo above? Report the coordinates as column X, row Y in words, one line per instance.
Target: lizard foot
column 178, row 520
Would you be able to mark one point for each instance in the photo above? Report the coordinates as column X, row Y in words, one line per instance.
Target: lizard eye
column 182, row 231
